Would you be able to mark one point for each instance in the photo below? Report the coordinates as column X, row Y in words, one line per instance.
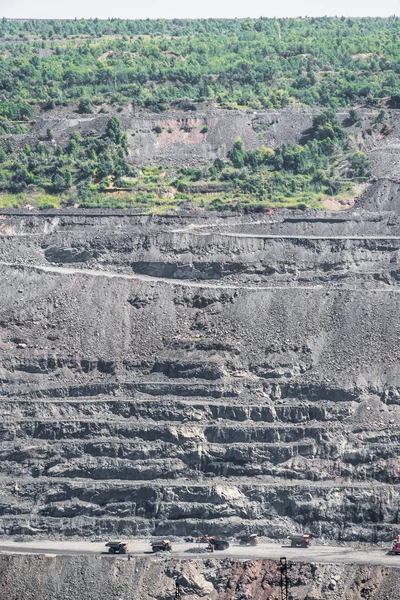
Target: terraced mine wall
column 236, row 371
column 55, row 578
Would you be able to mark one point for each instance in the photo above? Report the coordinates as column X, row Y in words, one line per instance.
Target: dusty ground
column 273, row 551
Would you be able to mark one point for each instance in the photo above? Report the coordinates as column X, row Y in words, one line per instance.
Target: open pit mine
column 161, row 375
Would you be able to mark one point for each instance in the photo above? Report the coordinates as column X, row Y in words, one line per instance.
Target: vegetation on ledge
column 93, row 171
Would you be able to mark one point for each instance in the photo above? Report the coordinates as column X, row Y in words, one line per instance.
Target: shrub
column 358, row 164
column 354, row 117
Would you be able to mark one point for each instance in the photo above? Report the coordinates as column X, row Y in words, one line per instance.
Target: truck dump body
column 248, row 540
column 117, row 547
column 161, row 546
column 302, row 541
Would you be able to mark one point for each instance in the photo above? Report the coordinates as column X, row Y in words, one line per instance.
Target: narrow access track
column 180, row 282
column 283, row 236
column 141, row 548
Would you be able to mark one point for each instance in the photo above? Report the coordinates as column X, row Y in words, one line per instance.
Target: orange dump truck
column 300, row 541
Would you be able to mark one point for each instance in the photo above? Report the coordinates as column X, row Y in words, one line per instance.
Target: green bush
column 354, row 117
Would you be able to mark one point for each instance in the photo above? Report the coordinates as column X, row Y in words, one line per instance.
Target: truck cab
column 396, row 546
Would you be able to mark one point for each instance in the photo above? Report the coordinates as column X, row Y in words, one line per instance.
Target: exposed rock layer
column 242, row 370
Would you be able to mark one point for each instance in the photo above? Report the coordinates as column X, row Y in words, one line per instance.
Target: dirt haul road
column 318, row 554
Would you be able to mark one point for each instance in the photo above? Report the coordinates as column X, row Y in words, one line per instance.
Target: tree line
column 156, row 64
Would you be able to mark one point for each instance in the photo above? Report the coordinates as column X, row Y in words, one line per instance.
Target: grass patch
column 25, row 200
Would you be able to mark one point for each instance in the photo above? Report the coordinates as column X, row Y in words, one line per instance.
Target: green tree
column 236, row 155
column 354, row 117
column 358, row 162
column 113, row 130
column 61, row 179
column 85, row 106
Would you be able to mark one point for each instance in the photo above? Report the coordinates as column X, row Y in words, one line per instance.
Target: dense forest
column 91, row 66
column 260, row 63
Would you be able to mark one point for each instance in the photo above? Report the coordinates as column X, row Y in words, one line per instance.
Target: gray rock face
column 182, row 143
column 241, row 370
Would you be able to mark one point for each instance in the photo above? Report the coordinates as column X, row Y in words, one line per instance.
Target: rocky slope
column 157, row 372
column 55, row 578
column 183, row 142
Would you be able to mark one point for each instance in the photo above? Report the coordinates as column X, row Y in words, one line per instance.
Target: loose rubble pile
column 55, row 578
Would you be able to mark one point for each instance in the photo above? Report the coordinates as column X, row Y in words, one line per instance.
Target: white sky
column 168, row 9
